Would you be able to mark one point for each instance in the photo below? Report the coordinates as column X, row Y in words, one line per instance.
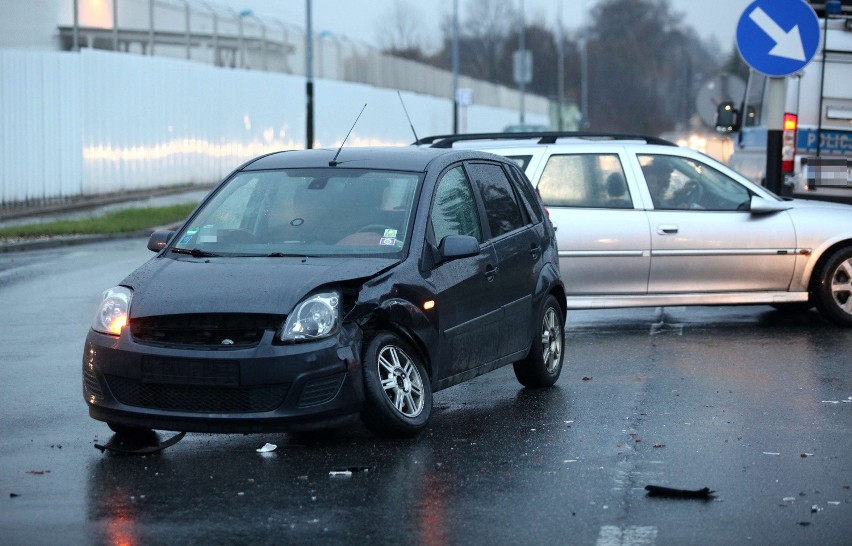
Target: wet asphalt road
column 746, row 401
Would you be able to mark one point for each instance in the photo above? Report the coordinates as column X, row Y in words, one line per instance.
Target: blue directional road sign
column 778, row 37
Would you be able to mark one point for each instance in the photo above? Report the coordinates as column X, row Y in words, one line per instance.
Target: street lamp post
column 455, row 67
column 560, row 70
column 309, row 76
column 115, row 25
column 523, row 69
column 187, row 30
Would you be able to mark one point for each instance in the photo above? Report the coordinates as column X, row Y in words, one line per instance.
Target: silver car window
column 682, row 183
column 586, row 181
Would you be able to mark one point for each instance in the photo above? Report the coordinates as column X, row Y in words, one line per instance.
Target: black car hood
column 166, row 286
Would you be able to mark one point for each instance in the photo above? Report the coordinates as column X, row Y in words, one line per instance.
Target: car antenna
column 334, row 162
column 406, row 115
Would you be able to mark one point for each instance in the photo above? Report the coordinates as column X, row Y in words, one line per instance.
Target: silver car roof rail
column 544, row 137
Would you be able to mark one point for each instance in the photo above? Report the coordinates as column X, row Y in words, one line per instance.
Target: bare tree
column 645, row 66
column 488, row 34
column 401, row 32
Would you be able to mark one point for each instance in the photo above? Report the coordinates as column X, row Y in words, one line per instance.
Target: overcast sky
column 362, row 20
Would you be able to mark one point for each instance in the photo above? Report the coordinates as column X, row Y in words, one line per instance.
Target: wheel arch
column 385, row 318
column 826, row 254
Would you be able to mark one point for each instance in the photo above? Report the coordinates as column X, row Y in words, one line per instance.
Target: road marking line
column 632, row 535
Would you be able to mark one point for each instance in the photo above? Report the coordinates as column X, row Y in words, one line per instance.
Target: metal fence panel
column 95, row 122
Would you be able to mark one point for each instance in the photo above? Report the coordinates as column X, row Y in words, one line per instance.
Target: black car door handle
column 490, row 272
column 535, row 251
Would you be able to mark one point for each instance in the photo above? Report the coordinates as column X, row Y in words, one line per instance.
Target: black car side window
column 527, row 193
column 501, row 203
column 454, row 210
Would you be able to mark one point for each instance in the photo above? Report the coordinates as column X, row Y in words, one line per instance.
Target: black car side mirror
column 159, row 240
column 727, row 118
column 453, row 247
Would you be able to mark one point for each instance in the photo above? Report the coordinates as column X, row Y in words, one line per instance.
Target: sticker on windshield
column 188, row 236
column 390, row 233
column 208, row 234
column 387, row 241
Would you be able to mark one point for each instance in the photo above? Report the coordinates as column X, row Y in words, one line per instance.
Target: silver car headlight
column 315, row 317
column 114, row 311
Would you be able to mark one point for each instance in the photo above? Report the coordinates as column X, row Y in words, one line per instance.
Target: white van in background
column 817, row 138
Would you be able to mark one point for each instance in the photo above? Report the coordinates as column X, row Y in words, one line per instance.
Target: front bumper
column 264, row 388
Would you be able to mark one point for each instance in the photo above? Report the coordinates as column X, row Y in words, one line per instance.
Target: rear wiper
column 196, row 252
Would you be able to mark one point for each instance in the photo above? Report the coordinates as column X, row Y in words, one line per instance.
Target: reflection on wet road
column 750, row 402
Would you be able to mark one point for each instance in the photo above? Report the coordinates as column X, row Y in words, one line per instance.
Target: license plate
column 174, row 371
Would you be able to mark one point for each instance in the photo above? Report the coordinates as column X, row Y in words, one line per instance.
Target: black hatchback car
column 311, row 287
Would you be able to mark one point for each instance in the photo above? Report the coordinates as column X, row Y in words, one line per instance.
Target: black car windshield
column 305, row 212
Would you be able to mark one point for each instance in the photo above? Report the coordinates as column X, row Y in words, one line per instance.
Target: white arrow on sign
column 787, row 44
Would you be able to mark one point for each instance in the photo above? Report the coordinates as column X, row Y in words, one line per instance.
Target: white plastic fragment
column 340, row 473
column 788, row 499
column 267, row 448
column 770, row 453
column 834, row 503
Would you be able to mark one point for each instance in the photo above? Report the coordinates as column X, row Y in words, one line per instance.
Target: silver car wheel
column 551, row 340
column 841, row 286
column 401, row 381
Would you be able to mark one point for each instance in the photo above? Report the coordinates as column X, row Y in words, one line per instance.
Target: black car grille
column 220, row 330
column 196, row 398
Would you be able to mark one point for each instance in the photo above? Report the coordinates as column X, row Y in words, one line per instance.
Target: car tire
column 833, row 290
column 543, row 364
column 398, row 396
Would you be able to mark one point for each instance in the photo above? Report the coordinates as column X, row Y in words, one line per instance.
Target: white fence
column 94, row 122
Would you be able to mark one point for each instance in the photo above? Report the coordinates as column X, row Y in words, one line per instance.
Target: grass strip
column 119, row 221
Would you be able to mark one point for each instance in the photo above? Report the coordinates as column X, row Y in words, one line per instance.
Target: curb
column 91, row 202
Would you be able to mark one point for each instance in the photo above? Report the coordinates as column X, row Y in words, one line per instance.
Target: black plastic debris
column 13, row 495
column 141, row 443
column 672, row 493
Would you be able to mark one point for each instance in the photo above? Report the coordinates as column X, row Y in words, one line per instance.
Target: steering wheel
column 239, row 235
column 690, row 193
column 365, row 236
column 375, row 228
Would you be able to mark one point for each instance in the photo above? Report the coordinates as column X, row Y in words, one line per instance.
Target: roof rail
column 545, row 137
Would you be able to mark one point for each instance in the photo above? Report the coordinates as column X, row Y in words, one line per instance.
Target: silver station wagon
column 643, row 222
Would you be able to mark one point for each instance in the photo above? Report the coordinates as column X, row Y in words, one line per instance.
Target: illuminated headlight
column 113, row 311
column 314, row 318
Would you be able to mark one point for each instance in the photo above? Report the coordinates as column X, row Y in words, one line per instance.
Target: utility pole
column 309, row 76
column 523, row 69
column 560, row 69
column 455, row 67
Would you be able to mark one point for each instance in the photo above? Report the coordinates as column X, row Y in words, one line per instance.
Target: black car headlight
column 114, row 311
column 315, row 317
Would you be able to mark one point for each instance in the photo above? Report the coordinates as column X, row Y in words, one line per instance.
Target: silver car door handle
column 667, row 229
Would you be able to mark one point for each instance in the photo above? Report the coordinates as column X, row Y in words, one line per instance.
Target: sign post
column 777, row 38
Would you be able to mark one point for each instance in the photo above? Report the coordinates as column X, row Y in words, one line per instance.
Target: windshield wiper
column 285, row 255
column 196, row 252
